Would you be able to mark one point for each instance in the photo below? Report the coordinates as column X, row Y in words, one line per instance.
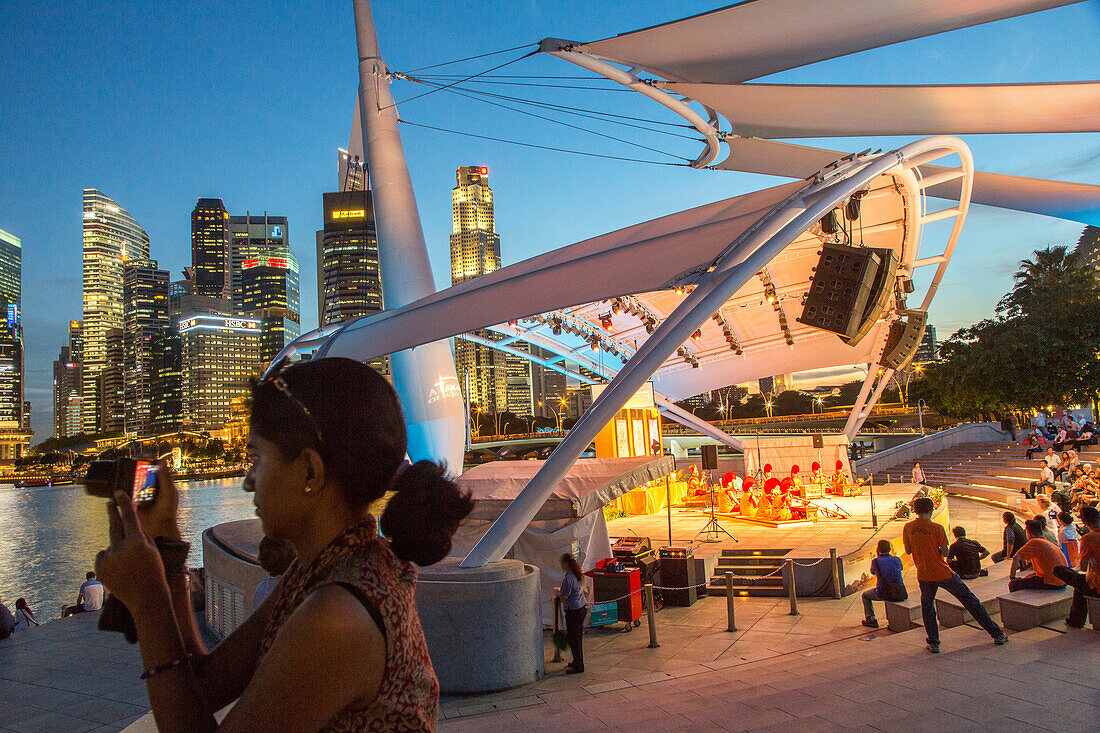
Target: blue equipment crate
column 605, row 613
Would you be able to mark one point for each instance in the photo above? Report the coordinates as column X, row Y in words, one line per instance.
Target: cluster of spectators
column 1069, row 482
column 1070, row 435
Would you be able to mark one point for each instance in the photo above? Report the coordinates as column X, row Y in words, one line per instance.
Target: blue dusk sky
column 157, row 104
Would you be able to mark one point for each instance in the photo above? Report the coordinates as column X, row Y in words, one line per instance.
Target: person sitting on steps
column 965, row 555
column 1014, row 538
column 1044, row 557
column 890, row 586
column 1086, row 583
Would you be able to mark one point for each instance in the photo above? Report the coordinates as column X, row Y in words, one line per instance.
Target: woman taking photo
column 337, row 646
column 576, row 608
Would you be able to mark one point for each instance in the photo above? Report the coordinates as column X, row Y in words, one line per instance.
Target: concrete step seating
column 1026, row 609
column 988, row 589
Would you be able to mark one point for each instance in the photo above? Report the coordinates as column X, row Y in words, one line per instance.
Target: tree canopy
column 1040, row 348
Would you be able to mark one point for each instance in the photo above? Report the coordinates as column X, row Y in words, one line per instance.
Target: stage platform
column 758, row 554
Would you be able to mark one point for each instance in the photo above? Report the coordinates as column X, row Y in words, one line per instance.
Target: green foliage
column 1040, row 348
column 610, row 512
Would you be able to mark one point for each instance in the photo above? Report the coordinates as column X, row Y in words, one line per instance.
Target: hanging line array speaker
column 905, row 336
column 840, row 289
column 882, row 288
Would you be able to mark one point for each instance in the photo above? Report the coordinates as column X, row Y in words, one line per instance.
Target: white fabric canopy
column 639, row 258
column 784, row 110
column 760, row 37
column 1062, row 199
column 591, row 484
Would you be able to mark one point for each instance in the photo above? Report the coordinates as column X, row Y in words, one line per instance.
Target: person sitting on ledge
column 1046, row 480
column 1044, row 557
column 965, row 555
column 1087, row 582
column 338, row 645
column 88, row 598
column 886, row 567
column 1035, row 442
column 1067, row 538
column 1014, row 538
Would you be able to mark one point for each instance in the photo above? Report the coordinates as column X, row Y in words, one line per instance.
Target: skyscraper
column 249, row 237
column 929, row 347
column 352, row 174
column 110, row 382
column 218, row 355
column 349, row 284
column 210, row 260
column 475, row 251
column 111, row 236
column 1087, row 250
column 12, row 377
column 269, row 285
column 145, row 295
column 67, row 384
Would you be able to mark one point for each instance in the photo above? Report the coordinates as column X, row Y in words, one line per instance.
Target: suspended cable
column 573, row 127
column 471, row 58
column 483, row 80
column 472, row 76
column 519, row 76
column 590, row 113
column 541, row 147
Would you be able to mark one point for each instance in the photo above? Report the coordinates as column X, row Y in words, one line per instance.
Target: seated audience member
column 1048, row 510
column 1046, row 480
column 89, row 598
column 1034, row 443
column 1067, row 538
column 1052, row 459
column 1086, row 436
column 1061, row 440
column 1048, row 529
column 1043, row 555
column 886, row 567
column 7, row 620
column 1014, row 538
column 274, row 557
column 24, row 616
column 1087, row 582
column 965, row 556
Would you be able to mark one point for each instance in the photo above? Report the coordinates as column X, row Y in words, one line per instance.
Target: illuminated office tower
column 12, row 377
column 110, row 383
column 67, row 391
column 210, row 260
column 111, row 236
column 548, row 387
column 145, row 294
column 269, row 292
column 349, row 283
column 475, row 251
column 218, row 355
column 249, row 237
column 1087, row 251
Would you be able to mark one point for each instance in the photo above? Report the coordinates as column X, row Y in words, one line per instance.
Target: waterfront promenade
column 820, row 670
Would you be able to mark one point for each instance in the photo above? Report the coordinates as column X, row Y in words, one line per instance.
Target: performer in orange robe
column 783, row 511
column 839, row 479
column 748, row 501
column 796, row 483
column 769, row 503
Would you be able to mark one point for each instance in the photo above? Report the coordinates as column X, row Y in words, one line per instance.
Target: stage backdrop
column 784, row 451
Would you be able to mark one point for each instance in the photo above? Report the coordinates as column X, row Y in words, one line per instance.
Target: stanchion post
column 790, row 587
column 731, row 625
column 836, row 572
column 650, row 613
column 557, row 613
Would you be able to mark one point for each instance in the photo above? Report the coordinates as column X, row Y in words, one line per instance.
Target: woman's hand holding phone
column 159, row 517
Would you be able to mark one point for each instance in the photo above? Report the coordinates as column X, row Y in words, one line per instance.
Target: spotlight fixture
column 650, row 326
column 617, row 306
column 605, row 321
column 594, row 343
column 697, row 335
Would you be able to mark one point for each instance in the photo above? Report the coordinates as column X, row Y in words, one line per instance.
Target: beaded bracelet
column 166, row 666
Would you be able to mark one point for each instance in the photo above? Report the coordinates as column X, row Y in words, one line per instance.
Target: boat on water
column 29, row 482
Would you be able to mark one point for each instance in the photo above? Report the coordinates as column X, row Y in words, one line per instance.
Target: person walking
column 1086, row 583
column 575, row 604
column 918, row 474
column 926, row 542
column 24, row 616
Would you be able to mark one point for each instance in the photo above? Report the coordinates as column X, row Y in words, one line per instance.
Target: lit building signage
column 276, row 230
column 219, row 323
column 13, row 315
column 348, row 214
column 265, row 261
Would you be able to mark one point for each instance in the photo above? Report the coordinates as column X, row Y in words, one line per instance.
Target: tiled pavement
column 777, row 668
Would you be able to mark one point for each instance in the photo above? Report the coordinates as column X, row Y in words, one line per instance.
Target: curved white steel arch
column 738, row 263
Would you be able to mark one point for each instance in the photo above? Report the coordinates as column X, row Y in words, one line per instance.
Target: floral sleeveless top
column 408, row 697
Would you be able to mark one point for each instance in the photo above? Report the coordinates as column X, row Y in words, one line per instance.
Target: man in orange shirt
column 926, row 542
column 1085, row 583
column 1044, row 557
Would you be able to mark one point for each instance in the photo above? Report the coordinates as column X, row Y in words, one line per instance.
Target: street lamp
column 820, row 405
column 921, row 404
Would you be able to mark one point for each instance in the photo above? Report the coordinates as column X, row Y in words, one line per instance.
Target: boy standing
column 926, row 542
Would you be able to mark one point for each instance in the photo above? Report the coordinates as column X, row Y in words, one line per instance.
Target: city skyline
column 546, row 199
